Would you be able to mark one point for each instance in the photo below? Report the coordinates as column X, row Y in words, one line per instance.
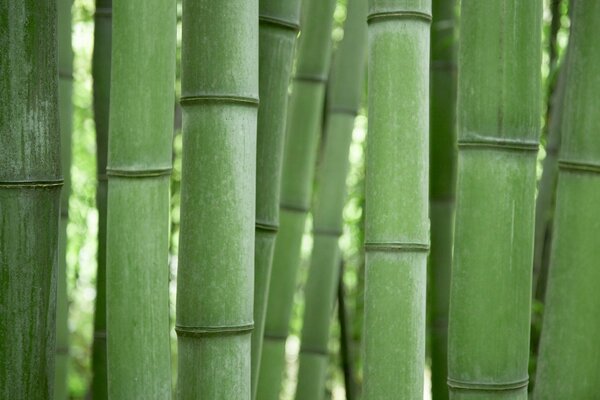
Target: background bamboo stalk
column 101, row 61
column 323, row 276
column 138, row 169
column 498, row 126
column 346, row 348
column 30, row 182
column 278, row 29
column 396, row 222
column 300, row 149
column 65, row 89
column 568, row 364
column 442, row 180
column 216, row 268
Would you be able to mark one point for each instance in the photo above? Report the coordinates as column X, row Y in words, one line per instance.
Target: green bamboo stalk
column 323, row 276
column 300, row 150
column 346, row 350
column 138, row 169
column 30, row 183
column 442, row 180
column 568, row 363
column 65, row 89
column 498, row 126
column 216, row 266
column 101, row 73
column 278, row 29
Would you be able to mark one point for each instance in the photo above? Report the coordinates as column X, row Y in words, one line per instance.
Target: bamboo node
column 328, row 232
column 203, row 331
column 397, row 246
column 293, row 208
column 149, row 173
column 455, row 384
column 310, row 78
column 103, row 12
column 499, row 143
column 279, row 22
column 343, row 110
column 100, row 335
column 266, row 226
column 579, row 167
column 219, row 98
column 410, row 15
column 33, row 184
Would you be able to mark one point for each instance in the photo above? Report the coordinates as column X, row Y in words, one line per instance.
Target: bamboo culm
column 101, row 61
column 396, row 195
column 300, row 150
column 278, row 29
column 30, row 183
column 216, row 251
column 138, row 169
column 321, row 287
column 65, row 89
column 568, row 364
column 490, row 294
column 442, row 180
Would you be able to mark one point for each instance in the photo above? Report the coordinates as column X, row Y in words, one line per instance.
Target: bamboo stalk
column 138, row 169
column 278, row 29
column 442, row 180
column 346, row 350
column 498, row 126
column 323, row 276
column 65, row 89
column 101, row 61
column 396, row 195
column 30, row 183
column 568, row 363
column 216, row 267
column 300, row 149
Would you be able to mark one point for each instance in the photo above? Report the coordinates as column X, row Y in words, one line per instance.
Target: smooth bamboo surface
column 278, row 29
column 345, row 92
column 569, row 359
column 220, row 48
column 300, row 150
column 101, row 61
column 499, row 106
column 138, row 169
column 442, row 180
column 30, row 183
column 397, row 199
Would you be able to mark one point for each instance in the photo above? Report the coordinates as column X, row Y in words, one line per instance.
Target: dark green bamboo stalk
column 101, row 74
column 498, row 126
column 30, row 183
column 216, row 266
column 569, row 362
column 138, row 169
column 396, row 222
column 65, row 89
column 346, row 350
column 323, row 276
column 300, row 150
column 442, row 181
column 278, row 29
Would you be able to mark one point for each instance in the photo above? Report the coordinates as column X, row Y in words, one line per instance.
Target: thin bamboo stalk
column 101, row 61
column 216, row 265
column 568, row 363
column 278, row 29
column 300, row 150
column 138, row 169
column 346, row 350
column 498, row 126
column 30, row 183
column 396, row 221
column 65, row 89
column 323, row 276
column 442, row 180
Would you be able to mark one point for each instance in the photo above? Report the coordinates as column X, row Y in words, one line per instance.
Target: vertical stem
column 138, row 169
column 498, row 131
column 278, row 29
column 346, row 351
column 568, row 365
column 216, row 264
column 30, row 182
column 65, row 89
column 323, row 276
column 101, row 61
column 442, row 180
column 396, row 223
column 300, row 150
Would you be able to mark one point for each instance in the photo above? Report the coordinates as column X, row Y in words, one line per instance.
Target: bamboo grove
column 299, row 199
